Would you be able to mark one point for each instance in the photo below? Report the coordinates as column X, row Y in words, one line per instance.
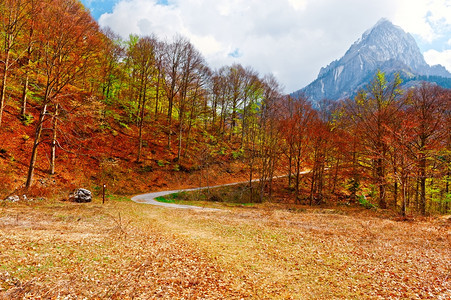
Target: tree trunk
column 179, row 146
column 395, row 193
column 334, row 186
column 297, row 177
column 27, row 77
column 170, row 122
column 381, row 182
column 23, row 109
column 190, row 126
column 157, row 96
column 3, row 86
column 417, row 192
column 403, row 191
column 53, row 149
column 422, row 173
column 141, row 124
column 34, row 151
column 290, row 163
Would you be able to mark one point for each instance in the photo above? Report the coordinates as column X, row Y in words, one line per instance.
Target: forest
column 81, row 105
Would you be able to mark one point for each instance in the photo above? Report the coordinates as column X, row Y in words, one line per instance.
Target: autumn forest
column 344, row 199
column 79, row 105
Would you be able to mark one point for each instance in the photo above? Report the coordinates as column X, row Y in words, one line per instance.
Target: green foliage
column 118, row 198
column 113, row 114
column 441, row 81
column 381, row 80
column 145, row 169
column 353, row 186
column 238, row 154
column 171, row 198
column 238, row 194
column 27, row 119
column 97, row 190
column 447, row 201
column 211, row 138
column 364, row 202
column 105, row 125
column 163, row 199
column 123, row 125
column 371, row 191
column 222, row 151
column 161, row 163
column 397, row 83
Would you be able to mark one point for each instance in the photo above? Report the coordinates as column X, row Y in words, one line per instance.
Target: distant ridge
column 384, row 47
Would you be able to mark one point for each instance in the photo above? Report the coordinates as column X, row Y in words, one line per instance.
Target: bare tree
column 173, row 63
column 141, row 57
column 14, row 15
column 371, row 111
column 427, row 109
column 193, row 80
column 269, row 133
column 297, row 123
column 67, row 39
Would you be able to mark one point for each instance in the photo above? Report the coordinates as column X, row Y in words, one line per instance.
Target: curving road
column 150, row 197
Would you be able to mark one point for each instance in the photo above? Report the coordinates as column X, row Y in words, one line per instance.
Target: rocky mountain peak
column 384, row 47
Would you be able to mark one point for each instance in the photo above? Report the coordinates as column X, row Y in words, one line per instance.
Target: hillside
column 94, row 151
column 105, row 111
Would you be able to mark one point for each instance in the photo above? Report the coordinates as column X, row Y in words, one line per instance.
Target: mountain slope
column 384, row 47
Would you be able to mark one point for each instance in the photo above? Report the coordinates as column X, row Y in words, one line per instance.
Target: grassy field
column 124, row 250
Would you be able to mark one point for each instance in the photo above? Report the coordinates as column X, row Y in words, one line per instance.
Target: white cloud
column 292, row 39
column 429, row 19
column 298, row 4
column 434, row 57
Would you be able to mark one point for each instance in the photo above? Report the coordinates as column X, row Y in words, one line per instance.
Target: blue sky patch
column 163, row 2
column 236, row 53
column 99, row 7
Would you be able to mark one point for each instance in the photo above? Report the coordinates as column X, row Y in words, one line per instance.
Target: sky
column 292, row 39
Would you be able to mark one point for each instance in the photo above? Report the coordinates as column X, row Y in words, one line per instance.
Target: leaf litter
column 124, row 250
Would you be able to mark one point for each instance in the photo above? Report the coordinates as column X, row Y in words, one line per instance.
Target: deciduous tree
column 297, row 123
column 14, row 16
column 68, row 40
column 427, row 110
column 371, row 111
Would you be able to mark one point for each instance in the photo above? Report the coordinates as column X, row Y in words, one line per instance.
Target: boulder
column 80, row 196
column 13, row 198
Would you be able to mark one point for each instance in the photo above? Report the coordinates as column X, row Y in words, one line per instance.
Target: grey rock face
column 81, row 196
column 384, row 47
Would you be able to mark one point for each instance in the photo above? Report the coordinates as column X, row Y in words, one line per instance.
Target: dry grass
column 93, row 251
column 129, row 250
column 321, row 254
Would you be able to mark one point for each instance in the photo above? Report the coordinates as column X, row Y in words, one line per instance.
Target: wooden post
column 103, row 194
